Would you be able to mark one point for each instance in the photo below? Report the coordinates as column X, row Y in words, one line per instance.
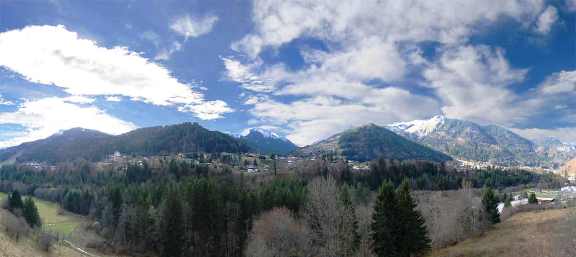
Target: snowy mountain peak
column 419, row 128
column 262, row 131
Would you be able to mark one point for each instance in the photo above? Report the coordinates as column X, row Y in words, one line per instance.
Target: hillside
column 91, row 145
column 71, row 144
column 529, row 234
column 267, row 142
column 371, row 142
column 468, row 140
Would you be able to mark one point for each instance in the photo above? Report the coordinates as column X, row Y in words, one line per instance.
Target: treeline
column 180, row 208
column 197, row 216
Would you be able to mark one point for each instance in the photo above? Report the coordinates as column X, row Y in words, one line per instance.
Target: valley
column 128, row 194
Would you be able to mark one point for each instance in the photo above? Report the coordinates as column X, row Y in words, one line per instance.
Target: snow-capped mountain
column 262, row 131
column 471, row 141
column 267, row 142
column 419, row 128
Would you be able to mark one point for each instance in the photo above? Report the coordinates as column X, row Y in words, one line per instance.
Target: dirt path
column 547, row 233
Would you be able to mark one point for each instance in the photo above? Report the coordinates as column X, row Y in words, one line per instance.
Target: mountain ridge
column 370, row 142
column 471, row 141
column 268, row 142
column 92, row 145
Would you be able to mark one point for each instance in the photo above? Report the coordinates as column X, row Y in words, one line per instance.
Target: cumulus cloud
column 53, row 55
column 44, row 117
column 278, row 22
column 547, row 20
column 189, row 26
column 473, row 83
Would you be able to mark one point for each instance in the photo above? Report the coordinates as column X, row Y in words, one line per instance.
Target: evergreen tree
column 30, row 213
column 15, row 201
column 532, row 198
column 172, row 226
column 507, row 200
column 490, row 204
column 385, row 225
column 348, row 227
column 414, row 237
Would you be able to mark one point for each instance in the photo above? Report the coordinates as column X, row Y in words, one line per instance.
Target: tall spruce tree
column 386, row 227
column 30, row 213
column 348, row 227
column 414, row 240
column 172, row 226
column 532, row 198
column 15, row 201
column 490, row 204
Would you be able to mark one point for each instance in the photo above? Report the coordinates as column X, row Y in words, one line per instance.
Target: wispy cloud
column 547, row 20
column 189, row 26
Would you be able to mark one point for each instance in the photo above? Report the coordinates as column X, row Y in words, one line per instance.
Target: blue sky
column 305, row 69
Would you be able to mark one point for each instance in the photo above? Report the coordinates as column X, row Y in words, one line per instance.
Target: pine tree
column 507, row 200
column 490, row 204
column 30, row 213
column 15, row 201
column 348, row 227
column 172, row 226
column 414, row 237
column 385, row 225
column 532, row 198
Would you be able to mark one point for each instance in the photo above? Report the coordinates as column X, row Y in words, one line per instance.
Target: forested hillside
column 82, row 144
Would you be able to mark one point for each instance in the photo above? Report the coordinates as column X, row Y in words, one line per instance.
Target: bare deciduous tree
column 277, row 234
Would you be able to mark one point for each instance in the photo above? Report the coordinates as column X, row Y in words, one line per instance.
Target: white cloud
column 547, row 20
column 473, row 82
column 44, row 117
column 113, row 99
column 246, row 76
column 78, row 99
column 4, row 101
column 52, row 55
column 279, row 21
column 188, row 26
column 165, row 53
column 559, row 83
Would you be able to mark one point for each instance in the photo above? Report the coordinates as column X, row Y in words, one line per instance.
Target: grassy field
column 530, row 234
column 62, row 223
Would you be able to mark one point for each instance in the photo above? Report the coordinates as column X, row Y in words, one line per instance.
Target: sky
column 305, row 69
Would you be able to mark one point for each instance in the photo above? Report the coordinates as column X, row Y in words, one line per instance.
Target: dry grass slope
column 547, row 233
column 27, row 248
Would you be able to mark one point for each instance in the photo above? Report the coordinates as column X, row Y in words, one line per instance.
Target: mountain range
column 370, row 142
column 436, row 139
column 489, row 143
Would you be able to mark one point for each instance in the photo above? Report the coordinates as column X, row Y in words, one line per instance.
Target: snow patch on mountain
column 419, row 128
column 264, row 132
